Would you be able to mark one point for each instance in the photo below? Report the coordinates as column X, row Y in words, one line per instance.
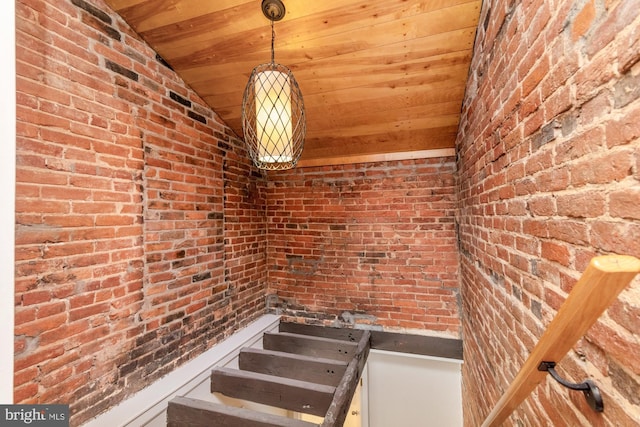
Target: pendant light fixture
column 273, row 117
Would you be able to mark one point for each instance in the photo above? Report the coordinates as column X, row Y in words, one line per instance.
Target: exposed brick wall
column 549, row 176
column 372, row 244
column 140, row 235
column 245, row 237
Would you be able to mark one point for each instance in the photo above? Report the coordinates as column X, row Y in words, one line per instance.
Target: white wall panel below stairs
column 412, row 391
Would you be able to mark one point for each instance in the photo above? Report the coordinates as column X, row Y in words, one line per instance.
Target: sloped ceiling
column 381, row 79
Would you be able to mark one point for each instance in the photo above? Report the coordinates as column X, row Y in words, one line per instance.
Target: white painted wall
column 7, row 195
column 412, row 391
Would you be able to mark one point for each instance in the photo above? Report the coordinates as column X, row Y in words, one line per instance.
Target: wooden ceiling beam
column 285, row 393
column 303, row 368
column 423, row 124
column 383, row 143
column 373, row 158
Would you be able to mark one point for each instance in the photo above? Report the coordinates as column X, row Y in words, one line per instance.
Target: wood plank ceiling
column 381, row 79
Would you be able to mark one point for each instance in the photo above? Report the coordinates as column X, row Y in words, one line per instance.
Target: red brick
column 88, row 311
column 35, row 328
column 56, row 377
column 586, row 204
column 25, row 376
column 378, row 202
column 595, row 108
column 25, row 315
column 60, row 390
column 617, row 18
column 53, row 308
column 625, row 203
column 37, row 357
column 63, row 332
column 621, row 238
column 622, row 348
column 41, row 206
column 580, row 145
column 542, row 206
column 35, row 297
column 614, row 166
column 26, row 393
column 624, row 130
column 558, row 102
column 592, row 76
column 583, row 21
column 535, row 76
column 541, row 160
column 556, row 253
column 628, row 52
column 626, row 314
column 553, row 179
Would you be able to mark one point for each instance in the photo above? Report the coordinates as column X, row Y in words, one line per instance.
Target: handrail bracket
column 591, row 391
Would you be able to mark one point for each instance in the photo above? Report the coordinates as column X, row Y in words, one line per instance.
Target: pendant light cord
column 273, row 36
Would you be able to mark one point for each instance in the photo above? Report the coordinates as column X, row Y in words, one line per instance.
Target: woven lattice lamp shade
column 273, row 118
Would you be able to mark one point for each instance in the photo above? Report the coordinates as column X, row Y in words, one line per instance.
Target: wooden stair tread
column 310, row 345
column 345, row 334
column 285, row 393
column 303, row 368
column 185, row 411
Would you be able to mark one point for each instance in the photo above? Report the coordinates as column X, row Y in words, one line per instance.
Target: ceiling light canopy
column 273, row 116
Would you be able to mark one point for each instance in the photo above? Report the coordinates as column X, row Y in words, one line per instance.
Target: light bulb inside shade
column 273, row 117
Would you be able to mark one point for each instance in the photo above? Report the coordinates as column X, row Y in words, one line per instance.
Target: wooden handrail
column 338, row 411
column 602, row 281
